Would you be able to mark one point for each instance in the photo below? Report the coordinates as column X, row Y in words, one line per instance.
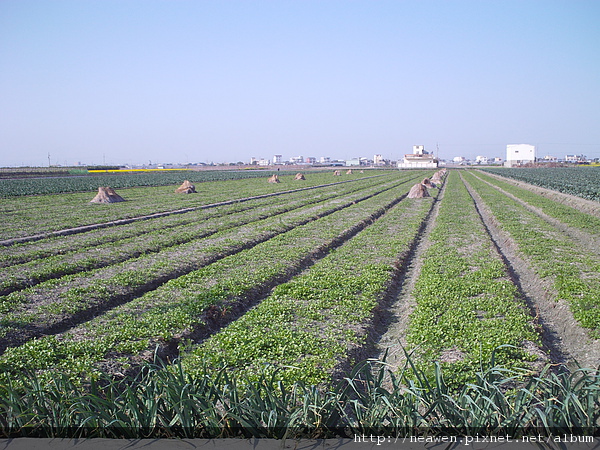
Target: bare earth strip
column 562, row 335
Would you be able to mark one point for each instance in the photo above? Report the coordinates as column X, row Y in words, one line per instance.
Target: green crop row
column 56, row 185
column 61, row 245
column 553, row 407
column 25, row 216
column 573, row 269
column 560, row 211
column 197, row 227
column 313, row 324
column 465, row 304
column 176, row 308
column 48, row 303
column 580, row 181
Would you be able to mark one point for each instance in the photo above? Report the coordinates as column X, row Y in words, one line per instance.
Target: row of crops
column 221, row 262
column 570, row 263
column 86, row 183
column 255, row 312
column 466, row 305
column 580, row 181
column 32, row 215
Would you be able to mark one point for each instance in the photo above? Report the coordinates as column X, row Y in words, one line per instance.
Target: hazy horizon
column 133, row 81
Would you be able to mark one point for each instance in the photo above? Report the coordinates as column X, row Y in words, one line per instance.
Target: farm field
column 297, row 282
column 583, row 182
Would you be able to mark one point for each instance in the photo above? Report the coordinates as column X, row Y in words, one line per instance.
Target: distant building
column 277, row 159
column 481, row 159
column 550, row 158
column 459, row 159
column 311, row 160
column 325, row 160
column 353, row 162
column 296, row 159
column 418, row 159
column 575, row 158
column 517, row 154
column 378, row 160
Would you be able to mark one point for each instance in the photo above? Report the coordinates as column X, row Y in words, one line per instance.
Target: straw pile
column 349, row 172
column 299, row 176
column 428, row 183
column 337, row 173
column 274, row 179
column 418, row 191
column 186, row 188
column 438, row 176
column 107, row 195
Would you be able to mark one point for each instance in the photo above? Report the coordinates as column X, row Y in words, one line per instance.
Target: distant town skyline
column 129, row 81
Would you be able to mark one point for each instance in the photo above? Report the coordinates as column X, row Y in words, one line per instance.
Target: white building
column 378, row 160
column 325, row 159
column 459, row 159
column 481, row 159
column 575, row 158
column 418, row 159
column 517, row 154
column 277, row 159
column 297, row 159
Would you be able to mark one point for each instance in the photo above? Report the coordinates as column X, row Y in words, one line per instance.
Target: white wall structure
column 378, row 160
column 277, row 159
column 517, row 154
column 481, row 159
column 418, row 159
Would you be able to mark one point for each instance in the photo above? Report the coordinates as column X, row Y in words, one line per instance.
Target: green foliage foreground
column 169, row 403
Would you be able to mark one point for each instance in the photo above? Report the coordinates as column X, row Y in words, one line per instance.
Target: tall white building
column 277, row 159
column 517, row 154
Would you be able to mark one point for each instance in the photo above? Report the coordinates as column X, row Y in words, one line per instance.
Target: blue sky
column 132, row 81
